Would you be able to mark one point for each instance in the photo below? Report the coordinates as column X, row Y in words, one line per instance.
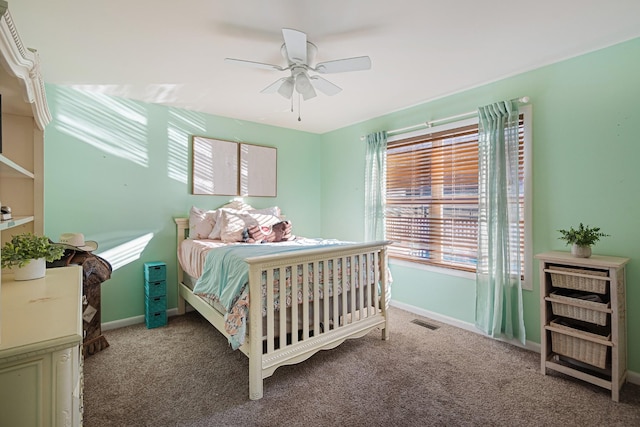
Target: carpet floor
column 185, row 374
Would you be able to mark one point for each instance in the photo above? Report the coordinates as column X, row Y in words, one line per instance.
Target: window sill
column 526, row 285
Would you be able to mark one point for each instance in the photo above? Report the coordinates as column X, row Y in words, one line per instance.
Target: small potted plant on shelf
column 27, row 255
column 581, row 239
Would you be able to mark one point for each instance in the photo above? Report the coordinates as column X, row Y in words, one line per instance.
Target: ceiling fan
column 300, row 54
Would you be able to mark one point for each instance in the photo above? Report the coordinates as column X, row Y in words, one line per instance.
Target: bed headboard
column 182, row 225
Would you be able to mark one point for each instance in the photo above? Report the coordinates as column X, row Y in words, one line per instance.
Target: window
column 432, row 195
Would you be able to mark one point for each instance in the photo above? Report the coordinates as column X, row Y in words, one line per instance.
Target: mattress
column 192, row 254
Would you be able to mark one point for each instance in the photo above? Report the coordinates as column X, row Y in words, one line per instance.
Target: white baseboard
column 132, row 321
column 532, row 346
column 632, row 377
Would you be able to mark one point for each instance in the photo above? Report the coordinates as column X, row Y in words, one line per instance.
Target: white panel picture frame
column 215, row 167
column 258, row 170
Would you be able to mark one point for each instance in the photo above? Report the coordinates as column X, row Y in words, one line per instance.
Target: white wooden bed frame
column 353, row 324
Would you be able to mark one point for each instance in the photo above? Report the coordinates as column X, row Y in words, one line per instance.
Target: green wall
column 586, row 149
column 119, row 172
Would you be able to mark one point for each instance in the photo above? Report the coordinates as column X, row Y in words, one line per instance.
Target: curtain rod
column 430, row 123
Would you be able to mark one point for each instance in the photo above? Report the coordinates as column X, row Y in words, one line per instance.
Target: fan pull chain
column 299, row 119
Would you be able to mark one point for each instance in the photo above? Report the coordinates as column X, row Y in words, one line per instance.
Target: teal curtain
column 375, row 186
column 499, row 309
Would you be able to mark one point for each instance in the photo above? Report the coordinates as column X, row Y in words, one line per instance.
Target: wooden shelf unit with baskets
column 583, row 318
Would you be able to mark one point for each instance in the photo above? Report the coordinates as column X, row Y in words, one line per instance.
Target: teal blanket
column 225, row 272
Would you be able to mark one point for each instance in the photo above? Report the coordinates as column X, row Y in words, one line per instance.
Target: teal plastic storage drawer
column 155, row 311
column 155, row 289
column 155, row 271
column 155, row 304
column 154, row 320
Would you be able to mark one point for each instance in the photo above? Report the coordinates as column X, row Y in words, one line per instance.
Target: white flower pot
column 580, row 251
column 34, row 269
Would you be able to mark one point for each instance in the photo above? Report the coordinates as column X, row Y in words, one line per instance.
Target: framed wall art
column 258, row 170
column 228, row 168
column 215, row 167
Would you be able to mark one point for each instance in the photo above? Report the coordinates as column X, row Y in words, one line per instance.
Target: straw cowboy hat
column 76, row 241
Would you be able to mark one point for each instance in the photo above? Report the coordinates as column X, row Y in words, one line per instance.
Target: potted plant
column 581, row 239
column 26, row 254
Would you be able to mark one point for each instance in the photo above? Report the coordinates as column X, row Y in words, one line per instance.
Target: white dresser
column 41, row 350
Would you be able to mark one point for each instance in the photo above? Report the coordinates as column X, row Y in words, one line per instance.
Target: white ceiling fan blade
column 296, row 44
column 304, row 86
column 253, row 64
column 343, row 65
column 325, row 86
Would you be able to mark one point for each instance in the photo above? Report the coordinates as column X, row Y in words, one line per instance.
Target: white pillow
column 216, row 232
column 201, row 222
column 235, row 205
column 217, row 228
column 233, row 223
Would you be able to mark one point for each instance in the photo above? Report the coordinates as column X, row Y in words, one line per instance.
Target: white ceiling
column 172, row 52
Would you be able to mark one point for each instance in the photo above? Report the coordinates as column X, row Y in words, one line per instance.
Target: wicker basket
column 586, row 351
column 588, row 284
column 575, row 308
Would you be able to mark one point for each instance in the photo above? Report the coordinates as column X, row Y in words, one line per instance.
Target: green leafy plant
column 582, row 236
column 27, row 246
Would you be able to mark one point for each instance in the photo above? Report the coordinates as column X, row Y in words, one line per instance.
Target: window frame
column 527, row 113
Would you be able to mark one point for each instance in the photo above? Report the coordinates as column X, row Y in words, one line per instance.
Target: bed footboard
column 344, row 288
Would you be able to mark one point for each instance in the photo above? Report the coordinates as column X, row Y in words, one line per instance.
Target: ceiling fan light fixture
column 304, row 86
column 286, row 88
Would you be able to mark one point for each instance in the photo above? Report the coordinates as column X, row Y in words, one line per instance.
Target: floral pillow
column 201, row 222
column 279, row 232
